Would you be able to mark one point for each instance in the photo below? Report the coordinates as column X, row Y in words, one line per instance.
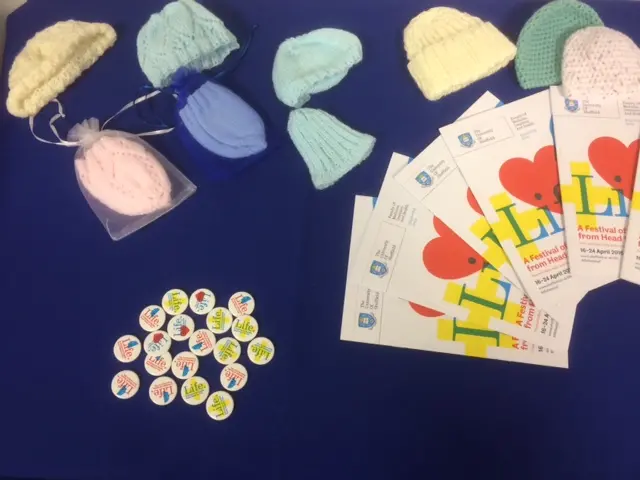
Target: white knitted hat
column 600, row 61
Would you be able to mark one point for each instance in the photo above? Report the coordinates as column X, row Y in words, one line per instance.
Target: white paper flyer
column 434, row 179
column 507, row 157
column 375, row 318
column 410, row 254
column 597, row 150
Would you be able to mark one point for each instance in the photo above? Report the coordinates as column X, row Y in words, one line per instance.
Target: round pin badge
column 125, row 384
column 195, row 391
column 175, row 302
column 127, row 348
column 152, row 318
column 220, row 405
column 180, row 327
column 219, row 320
column 157, row 343
column 184, row 365
column 202, row 301
column 202, row 342
column 163, row 391
column 157, row 365
column 241, row 303
column 234, row 377
column 227, row 350
column 244, row 328
column 261, row 350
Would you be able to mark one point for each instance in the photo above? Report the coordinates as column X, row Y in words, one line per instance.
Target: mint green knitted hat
column 541, row 41
column 312, row 63
column 184, row 34
column 329, row 147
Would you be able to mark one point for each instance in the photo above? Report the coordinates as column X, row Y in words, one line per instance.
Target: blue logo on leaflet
column 379, row 269
column 366, row 320
column 571, row 105
column 424, row 179
column 466, row 140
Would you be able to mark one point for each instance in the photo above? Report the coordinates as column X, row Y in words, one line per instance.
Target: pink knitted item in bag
column 124, row 176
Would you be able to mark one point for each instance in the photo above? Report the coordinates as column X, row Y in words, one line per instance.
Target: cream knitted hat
column 449, row 50
column 600, row 61
column 52, row 60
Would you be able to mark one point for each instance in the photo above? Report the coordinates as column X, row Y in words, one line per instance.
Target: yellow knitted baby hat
column 448, row 50
column 52, row 60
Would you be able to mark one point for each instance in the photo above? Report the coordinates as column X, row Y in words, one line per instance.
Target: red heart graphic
column 425, row 311
column 615, row 163
column 184, row 331
column 448, row 256
column 471, row 198
column 535, row 183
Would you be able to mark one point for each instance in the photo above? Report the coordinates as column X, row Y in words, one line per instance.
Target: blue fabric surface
column 323, row 408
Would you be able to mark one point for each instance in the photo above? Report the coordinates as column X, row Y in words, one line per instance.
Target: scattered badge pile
column 202, row 343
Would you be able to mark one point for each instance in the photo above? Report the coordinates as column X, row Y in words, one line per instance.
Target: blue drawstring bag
column 223, row 133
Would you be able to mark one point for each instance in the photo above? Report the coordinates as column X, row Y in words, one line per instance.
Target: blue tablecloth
column 323, row 408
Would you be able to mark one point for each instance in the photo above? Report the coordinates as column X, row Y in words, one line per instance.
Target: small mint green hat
column 329, row 147
column 541, row 41
column 313, row 63
column 184, row 34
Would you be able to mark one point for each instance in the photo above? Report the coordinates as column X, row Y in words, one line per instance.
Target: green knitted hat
column 541, row 41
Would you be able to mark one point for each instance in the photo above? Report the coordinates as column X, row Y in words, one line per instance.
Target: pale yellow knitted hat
column 448, row 50
column 52, row 60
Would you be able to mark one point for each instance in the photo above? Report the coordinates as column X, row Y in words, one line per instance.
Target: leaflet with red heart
column 434, row 179
column 407, row 252
column 506, row 156
column 381, row 319
column 597, row 149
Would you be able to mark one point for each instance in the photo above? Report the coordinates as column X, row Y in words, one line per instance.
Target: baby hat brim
column 541, row 41
column 449, row 50
column 52, row 60
column 600, row 61
column 184, row 34
column 313, row 63
column 328, row 147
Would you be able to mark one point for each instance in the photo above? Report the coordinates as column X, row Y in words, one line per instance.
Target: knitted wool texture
column 124, row 176
column 600, row 61
column 313, row 63
column 329, row 147
column 449, row 50
column 541, row 41
column 52, row 60
column 184, row 34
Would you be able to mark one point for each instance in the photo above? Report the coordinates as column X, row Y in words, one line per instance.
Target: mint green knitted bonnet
column 328, row 147
column 541, row 41
column 310, row 64
column 184, row 34
column 313, row 63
